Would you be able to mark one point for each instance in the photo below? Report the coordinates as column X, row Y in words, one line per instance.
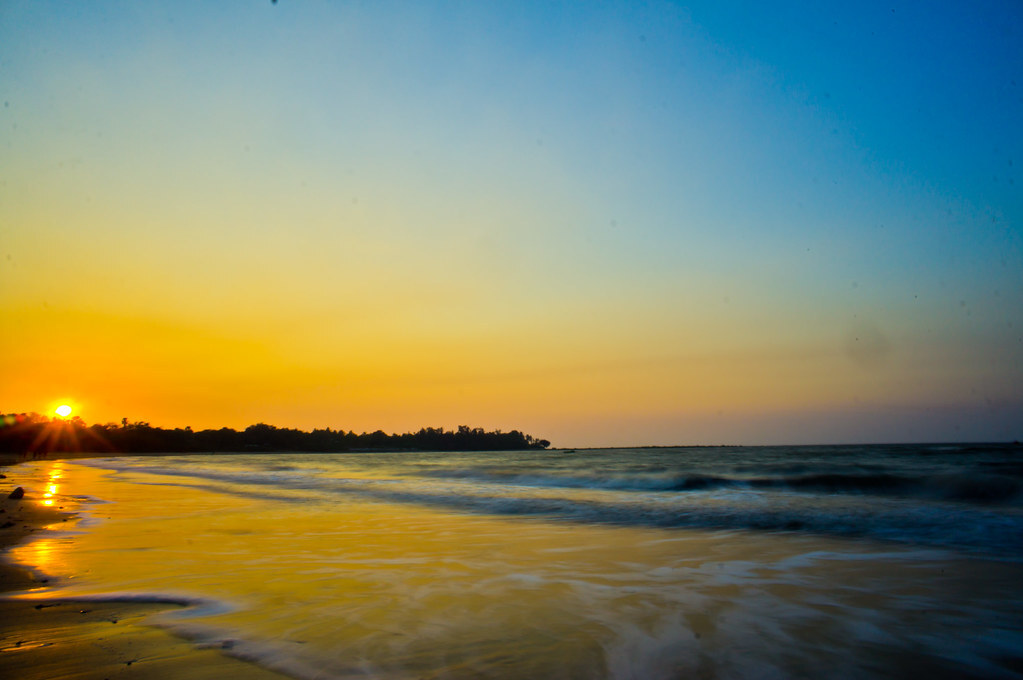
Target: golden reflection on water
column 44, row 553
column 40, row 554
column 55, row 473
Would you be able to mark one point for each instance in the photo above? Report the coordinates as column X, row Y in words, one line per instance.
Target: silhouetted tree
column 34, row 434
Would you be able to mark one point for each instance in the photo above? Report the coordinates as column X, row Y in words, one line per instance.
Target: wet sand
column 47, row 639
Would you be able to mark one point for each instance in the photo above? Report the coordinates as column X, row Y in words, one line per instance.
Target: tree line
column 35, row 434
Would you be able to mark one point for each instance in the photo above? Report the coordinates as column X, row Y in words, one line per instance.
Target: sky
column 603, row 224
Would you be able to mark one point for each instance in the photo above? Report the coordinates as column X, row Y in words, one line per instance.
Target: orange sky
column 315, row 216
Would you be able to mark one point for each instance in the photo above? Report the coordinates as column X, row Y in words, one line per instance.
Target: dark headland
column 30, row 434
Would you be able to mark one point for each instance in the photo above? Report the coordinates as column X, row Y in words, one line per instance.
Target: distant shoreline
column 34, row 434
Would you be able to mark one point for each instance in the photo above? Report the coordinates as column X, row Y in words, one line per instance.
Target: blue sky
column 603, row 224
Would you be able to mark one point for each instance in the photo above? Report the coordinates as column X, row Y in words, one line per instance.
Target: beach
column 754, row 562
column 65, row 638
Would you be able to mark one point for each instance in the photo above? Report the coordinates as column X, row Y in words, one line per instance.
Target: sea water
column 738, row 562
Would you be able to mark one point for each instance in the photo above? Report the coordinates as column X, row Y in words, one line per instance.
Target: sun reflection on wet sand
column 40, row 554
column 39, row 550
column 52, row 488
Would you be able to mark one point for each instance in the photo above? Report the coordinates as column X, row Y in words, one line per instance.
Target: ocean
column 703, row 562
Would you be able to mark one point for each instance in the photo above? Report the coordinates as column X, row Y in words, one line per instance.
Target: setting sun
column 63, row 410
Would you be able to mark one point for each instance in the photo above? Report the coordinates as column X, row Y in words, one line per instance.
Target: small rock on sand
column 17, row 494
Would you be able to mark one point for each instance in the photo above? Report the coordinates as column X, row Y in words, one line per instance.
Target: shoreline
column 51, row 637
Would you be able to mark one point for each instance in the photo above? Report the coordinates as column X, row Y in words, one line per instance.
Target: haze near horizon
column 604, row 226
